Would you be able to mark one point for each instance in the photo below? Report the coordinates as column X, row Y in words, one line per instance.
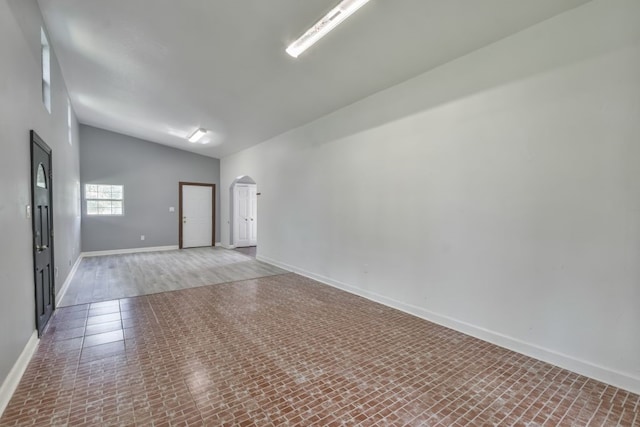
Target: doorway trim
column 240, row 180
column 213, row 210
column 33, row 141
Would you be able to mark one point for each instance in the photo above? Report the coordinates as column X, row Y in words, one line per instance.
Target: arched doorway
column 244, row 213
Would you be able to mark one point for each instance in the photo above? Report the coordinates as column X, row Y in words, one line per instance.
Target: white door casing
column 242, row 216
column 197, row 214
column 253, row 220
column 245, row 221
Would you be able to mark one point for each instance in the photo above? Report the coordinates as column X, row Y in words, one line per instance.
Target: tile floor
column 285, row 350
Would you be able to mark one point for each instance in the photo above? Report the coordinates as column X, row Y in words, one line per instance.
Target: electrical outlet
column 28, row 211
column 142, row 237
column 56, row 270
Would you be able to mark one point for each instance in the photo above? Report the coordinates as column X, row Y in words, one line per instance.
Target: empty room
column 320, row 213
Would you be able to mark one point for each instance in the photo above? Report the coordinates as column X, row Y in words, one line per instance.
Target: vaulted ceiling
column 159, row 69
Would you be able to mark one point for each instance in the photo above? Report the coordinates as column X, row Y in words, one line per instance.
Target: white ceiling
column 159, row 69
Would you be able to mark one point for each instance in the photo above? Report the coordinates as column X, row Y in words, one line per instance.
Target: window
column 41, row 177
column 46, row 70
column 104, row 199
column 69, row 132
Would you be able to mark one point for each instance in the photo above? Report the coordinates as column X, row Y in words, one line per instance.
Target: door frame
column 213, row 210
column 241, row 179
column 234, row 200
column 36, row 140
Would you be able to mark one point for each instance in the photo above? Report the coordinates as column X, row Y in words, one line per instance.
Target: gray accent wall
column 21, row 109
column 150, row 173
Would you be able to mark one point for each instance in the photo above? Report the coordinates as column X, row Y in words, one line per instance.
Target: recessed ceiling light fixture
column 197, row 135
column 342, row 11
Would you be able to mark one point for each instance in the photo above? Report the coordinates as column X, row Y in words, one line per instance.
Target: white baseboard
column 128, row 251
column 227, row 246
column 10, row 383
column 67, row 282
column 607, row 375
column 219, row 244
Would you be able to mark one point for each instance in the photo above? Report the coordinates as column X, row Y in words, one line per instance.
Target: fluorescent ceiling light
column 199, row 133
column 345, row 9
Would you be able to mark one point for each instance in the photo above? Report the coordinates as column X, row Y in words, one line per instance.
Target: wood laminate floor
column 248, row 251
column 112, row 277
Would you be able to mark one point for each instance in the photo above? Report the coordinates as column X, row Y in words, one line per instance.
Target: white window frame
column 69, row 123
column 46, row 70
column 89, row 191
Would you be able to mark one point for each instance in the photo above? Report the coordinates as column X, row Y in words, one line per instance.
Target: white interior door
column 253, row 219
column 197, row 216
column 245, row 219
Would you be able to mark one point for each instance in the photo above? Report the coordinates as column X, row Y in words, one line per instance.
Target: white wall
column 498, row 194
column 21, row 110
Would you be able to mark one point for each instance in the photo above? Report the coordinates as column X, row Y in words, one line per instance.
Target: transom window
column 69, row 133
column 104, row 199
column 46, row 70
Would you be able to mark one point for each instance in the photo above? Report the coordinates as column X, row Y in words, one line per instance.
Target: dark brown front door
column 42, row 214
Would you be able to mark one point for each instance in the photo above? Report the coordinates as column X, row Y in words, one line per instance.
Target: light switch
column 172, row 209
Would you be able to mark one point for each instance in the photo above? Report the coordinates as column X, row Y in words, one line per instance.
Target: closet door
column 242, row 214
column 245, row 220
column 253, row 218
